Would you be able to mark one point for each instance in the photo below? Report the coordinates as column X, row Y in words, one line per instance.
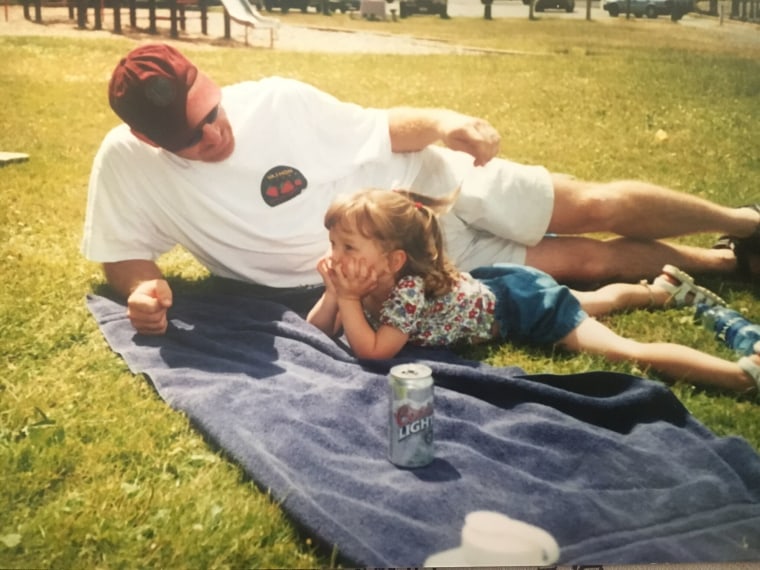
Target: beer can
column 411, row 415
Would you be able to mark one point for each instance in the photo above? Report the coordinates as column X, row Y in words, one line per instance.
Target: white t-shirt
column 256, row 216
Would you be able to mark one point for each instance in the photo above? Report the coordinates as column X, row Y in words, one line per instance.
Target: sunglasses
column 198, row 133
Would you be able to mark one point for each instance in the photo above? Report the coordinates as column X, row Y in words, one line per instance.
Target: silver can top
column 411, row 371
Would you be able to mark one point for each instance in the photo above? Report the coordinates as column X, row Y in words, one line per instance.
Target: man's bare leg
column 589, row 260
column 641, row 210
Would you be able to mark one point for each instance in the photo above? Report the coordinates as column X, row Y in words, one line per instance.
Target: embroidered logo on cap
column 281, row 184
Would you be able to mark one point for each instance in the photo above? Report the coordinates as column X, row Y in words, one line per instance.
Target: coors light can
column 411, row 415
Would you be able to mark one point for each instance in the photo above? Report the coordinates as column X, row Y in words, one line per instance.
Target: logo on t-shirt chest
column 281, row 184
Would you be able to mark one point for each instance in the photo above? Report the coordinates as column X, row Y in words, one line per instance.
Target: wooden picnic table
column 177, row 13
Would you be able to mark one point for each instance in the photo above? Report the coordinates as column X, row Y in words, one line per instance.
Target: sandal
column 751, row 367
column 742, row 248
column 683, row 291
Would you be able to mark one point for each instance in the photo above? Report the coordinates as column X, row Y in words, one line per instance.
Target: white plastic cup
column 493, row 539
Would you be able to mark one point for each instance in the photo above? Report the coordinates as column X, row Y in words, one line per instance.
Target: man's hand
column 471, row 135
column 147, row 306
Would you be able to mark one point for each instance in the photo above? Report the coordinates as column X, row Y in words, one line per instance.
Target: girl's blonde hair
column 401, row 219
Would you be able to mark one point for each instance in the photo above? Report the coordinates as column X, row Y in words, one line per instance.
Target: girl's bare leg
column 672, row 288
column 675, row 361
column 621, row 297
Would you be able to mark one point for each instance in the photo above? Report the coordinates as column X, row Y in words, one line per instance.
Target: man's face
column 213, row 140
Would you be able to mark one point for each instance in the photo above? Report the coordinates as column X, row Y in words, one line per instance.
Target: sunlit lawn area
column 96, row 471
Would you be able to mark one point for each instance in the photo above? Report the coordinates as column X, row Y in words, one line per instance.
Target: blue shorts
column 531, row 307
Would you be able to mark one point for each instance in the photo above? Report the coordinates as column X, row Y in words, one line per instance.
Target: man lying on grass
column 241, row 176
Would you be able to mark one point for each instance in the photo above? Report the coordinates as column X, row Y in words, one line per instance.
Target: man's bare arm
column 412, row 129
column 125, row 276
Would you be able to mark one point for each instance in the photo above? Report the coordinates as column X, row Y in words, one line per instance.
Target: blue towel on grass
column 611, row 465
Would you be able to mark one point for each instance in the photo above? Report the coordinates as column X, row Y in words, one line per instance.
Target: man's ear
column 396, row 260
column 143, row 138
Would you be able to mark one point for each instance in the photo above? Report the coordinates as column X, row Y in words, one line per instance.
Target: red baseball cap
column 161, row 95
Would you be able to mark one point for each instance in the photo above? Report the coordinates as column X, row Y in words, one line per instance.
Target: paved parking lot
column 299, row 38
column 516, row 9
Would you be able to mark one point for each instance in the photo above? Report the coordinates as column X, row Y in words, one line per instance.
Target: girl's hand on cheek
column 326, row 271
column 354, row 279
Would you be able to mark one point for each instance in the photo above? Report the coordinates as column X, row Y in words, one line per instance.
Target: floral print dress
column 465, row 314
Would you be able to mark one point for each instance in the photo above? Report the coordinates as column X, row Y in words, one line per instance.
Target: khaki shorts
column 503, row 206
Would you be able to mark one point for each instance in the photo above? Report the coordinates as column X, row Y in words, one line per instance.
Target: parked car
column 286, row 5
column 336, row 5
column 541, row 5
column 639, row 8
column 409, row 7
column 283, row 5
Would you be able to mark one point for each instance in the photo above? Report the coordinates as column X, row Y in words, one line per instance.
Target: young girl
column 389, row 282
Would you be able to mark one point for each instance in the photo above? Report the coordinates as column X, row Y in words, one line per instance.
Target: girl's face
column 345, row 245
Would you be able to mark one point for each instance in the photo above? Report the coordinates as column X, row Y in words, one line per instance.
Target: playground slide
column 247, row 15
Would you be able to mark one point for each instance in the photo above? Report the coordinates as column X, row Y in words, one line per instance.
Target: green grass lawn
column 97, row 472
